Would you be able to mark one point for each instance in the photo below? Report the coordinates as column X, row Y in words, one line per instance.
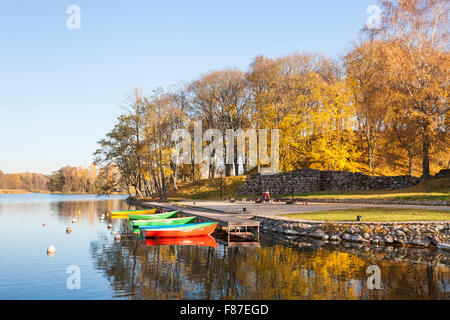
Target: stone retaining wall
column 422, row 234
column 311, row 180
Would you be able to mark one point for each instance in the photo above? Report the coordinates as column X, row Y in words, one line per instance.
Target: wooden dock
column 233, row 224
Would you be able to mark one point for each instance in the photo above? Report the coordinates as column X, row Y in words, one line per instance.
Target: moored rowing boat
column 134, row 212
column 162, row 222
column 156, row 216
column 187, row 230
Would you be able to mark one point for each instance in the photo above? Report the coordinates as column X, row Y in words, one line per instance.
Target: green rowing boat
column 156, row 216
column 162, row 222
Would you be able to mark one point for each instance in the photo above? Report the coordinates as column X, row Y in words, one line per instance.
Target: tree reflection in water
column 273, row 271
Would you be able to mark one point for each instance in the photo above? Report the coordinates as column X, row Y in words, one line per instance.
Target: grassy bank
column 209, row 189
column 374, row 215
column 429, row 190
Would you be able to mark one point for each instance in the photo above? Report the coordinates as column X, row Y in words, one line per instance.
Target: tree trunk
column 228, row 170
column 138, row 192
column 192, row 169
column 163, row 178
column 426, row 158
column 236, row 165
column 175, row 178
column 410, row 162
column 157, row 187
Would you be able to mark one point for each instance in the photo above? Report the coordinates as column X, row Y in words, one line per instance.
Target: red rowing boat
column 187, row 230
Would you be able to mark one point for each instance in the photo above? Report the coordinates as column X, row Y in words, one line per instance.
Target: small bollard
column 51, row 250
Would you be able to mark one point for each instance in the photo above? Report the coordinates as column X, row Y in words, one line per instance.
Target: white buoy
column 51, row 250
column 68, row 230
column 113, row 232
column 117, row 238
column 74, row 221
column 110, row 226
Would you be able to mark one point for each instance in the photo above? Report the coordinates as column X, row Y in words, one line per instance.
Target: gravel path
column 279, row 209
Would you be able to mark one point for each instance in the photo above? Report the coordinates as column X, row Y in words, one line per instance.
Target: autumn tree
column 164, row 115
column 365, row 70
column 419, row 64
column 222, row 100
column 303, row 95
column 117, row 150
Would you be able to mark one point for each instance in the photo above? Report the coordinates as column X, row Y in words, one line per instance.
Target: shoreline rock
column 415, row 234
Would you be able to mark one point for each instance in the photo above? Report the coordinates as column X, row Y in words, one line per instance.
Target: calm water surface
column 135, row 269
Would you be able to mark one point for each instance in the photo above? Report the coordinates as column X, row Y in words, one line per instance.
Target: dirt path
column 278, row 209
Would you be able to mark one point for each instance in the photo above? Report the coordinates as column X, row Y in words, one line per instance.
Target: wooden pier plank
column 223, row 219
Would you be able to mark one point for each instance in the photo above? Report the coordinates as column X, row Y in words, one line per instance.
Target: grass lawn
column 381, row 194
column 432, row 189
column 209, row 189
column 375, row 215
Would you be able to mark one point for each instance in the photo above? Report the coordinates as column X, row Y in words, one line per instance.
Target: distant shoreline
column 12, row 191
column 22, row 191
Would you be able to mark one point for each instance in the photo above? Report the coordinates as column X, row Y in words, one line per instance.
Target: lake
column 90, row 264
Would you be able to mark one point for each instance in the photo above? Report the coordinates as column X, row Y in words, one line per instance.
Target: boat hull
column 156, row 216
column 162, row 222
column 134, row 212
column 199, row 229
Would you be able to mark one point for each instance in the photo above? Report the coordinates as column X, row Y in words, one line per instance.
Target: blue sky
column 61, row 90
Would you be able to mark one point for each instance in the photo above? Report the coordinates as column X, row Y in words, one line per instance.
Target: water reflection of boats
column 204, row 241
